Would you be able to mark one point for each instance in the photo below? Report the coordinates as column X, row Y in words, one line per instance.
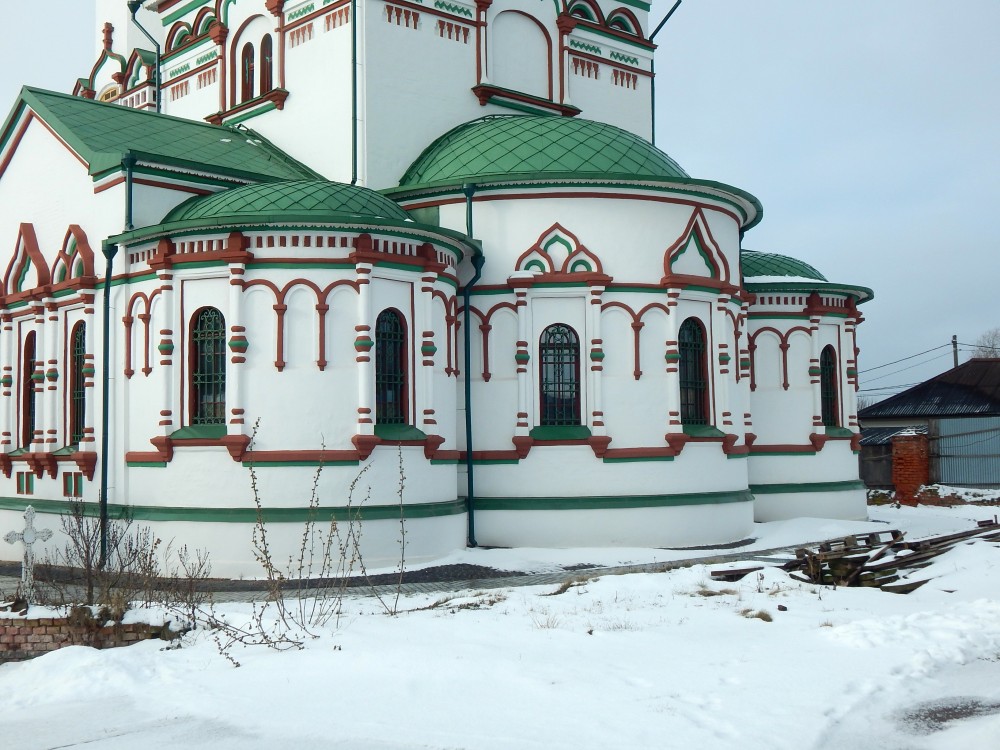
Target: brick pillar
column 910, row 466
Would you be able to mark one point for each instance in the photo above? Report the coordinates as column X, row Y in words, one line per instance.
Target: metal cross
column 28, row 537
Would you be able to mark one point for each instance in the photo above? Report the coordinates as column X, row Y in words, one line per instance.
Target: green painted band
column 245, row 515
column 612, row 503
column 776, row 489
column 258, row 464
column 182, row 11
column 636, row 459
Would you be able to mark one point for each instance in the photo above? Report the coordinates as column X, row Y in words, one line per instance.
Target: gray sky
column 869, row 129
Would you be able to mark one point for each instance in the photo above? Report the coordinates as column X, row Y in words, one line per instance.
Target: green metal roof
column 309, row 201
column 762, row 272
column 102, row 134
column 505, row 146
column 772, row 264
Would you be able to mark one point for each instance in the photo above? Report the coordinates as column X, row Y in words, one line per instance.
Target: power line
column 918, row 364
column 920, row 354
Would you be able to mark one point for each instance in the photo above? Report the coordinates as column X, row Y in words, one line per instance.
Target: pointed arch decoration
column 622, row 19
column 76, row 259
column 588, row 10
column 27, row 258
column 179, row 34
column 697, row 234
column 539, row 257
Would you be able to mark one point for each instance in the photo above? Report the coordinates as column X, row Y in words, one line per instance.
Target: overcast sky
column 869, row 129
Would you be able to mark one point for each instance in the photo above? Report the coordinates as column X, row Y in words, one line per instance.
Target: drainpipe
column 477, row 263
column 354, row 92
column 133, row 8
column 652, row 70
column 110, row 250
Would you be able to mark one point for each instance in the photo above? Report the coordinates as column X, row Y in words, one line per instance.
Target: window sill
column 838, row 432
column 560, row 432
column 200, row 432
column 703, row 431
column 273, row 99
column 536, row 105
column 398, row 433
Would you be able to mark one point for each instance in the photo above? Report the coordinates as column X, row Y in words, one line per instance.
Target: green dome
column 771, row 264
column 307, row 201
column 502, row 147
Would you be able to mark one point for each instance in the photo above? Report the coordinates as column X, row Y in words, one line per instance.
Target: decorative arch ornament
column 697, row 236
column 570, row 256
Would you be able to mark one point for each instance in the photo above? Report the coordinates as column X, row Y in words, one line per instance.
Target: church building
column 412, row 258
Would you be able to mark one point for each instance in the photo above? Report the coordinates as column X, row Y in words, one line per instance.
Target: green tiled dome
column 522, row 146
column 771, row 264
column 299, row 201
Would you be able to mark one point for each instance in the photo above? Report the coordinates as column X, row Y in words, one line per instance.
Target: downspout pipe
column 110, row 249
column 354, row 92
column 652, row 70
column 478, row 260
column 133, row 8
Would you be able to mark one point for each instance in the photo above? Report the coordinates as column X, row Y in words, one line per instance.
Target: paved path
column 774, row 556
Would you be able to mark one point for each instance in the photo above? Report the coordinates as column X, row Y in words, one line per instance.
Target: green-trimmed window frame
column 828, row 395
column 266, row 64
column 391, row 369
column 692, row 371
column 208, row 367
column 25, row 483
column 559, row 392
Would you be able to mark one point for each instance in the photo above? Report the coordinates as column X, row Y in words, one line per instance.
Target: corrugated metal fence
column 966, row 452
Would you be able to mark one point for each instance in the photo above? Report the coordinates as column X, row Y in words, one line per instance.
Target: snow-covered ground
column 658, row 660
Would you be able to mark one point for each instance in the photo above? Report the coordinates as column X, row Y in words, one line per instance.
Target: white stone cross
column 28, row 537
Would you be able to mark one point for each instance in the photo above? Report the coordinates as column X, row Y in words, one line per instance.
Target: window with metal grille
column 559, row 376
column 693, row 371
column 28, row 391
column 828, row 386
column 266, row 64
column 208, row 368
column 78, row 393
column 390, row 369
column 247, row 67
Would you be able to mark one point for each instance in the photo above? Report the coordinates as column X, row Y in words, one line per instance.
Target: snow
column 647, row 660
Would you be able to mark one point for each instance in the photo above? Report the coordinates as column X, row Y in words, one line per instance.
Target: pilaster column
column 238, row 345
column 37, row 439
column 814, row 372
column 723, row 403
column 363, row 344
column 170, row 420
column 50, row 394
column 596, row 363
column 672, row 358
column 522, row 356
column 8, row 348
column 427, row 351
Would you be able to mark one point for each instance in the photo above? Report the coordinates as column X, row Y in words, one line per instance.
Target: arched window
column 693, row 371
column 266, row 65
column 559, row 376
column 828, row 386
column 390, row 369
column 208, row 368
column 77, row 381
column 28, row 391
column 247, row 68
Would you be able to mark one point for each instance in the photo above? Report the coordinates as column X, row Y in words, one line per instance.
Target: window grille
column 390, row 369
column 828, row 386
column 78, row 393
column 559, row 370
column 693, row 370
column 208, row 368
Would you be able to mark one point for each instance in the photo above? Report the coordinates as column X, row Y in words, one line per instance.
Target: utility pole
column 954, row 348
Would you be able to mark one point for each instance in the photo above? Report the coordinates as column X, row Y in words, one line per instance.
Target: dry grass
column 759, row 614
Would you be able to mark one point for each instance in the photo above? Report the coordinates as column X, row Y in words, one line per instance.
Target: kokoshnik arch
column 337, row 196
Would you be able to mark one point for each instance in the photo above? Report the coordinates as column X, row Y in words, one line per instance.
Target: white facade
column 698, row 393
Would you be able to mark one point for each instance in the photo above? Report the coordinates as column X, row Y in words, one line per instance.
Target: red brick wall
column 24, row 637
column 910, row 466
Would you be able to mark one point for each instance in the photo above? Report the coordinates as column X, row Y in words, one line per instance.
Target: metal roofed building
column 958, row 410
